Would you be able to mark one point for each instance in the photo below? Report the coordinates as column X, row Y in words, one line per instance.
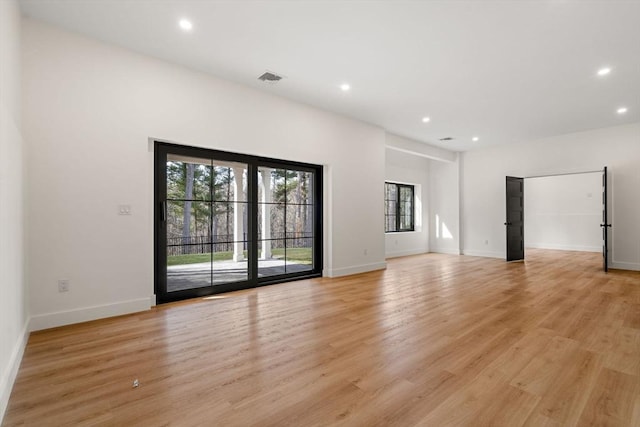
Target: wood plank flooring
column 434, row 340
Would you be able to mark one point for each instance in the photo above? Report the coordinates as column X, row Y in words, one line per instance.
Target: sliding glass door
column 226, row 221
column 286, row 228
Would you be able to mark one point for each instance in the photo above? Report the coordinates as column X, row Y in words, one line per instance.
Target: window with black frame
column 398, row 207
column 228, row 221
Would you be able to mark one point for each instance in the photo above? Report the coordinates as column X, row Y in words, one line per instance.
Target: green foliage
column 198, row 258
column 299, row 255
column 202, row 210
column 285, row 181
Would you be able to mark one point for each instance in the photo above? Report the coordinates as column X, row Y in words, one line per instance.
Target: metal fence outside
column 224, row 243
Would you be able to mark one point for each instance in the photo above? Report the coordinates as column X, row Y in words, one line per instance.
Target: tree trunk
column 308, row 212
column 186, row 218
column 228, row 205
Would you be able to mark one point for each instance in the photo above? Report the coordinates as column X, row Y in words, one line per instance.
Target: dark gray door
column 515, row 218
column 605, row 222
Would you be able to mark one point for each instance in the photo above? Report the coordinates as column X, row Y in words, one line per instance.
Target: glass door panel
column 299, row 255
column 206, row 219
column 188, row 223
column 229, row 222
column 231, row 243
column 286, row 224
column 188, row 252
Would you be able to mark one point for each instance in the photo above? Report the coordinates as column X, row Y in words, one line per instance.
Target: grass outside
column 300, row 255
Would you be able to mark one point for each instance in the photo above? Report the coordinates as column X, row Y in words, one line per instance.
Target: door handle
column 163, row 211
column 508, row 223
column 603, row 225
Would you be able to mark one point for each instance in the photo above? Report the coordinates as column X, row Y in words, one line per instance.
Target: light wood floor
column 435, row 340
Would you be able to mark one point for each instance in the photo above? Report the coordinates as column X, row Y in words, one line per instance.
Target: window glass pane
column 391, row 207
column 406, row 207
column 391, row 223
column 229, row 181
column 299, row 254
column 271, row 259
column 406, row 194
column 406, row 222
column 299, row 187
column 277, row 221
column 230, row 243
column 390, row 191
column 278, row 185
column 298, row 223
column 188, row 178
column 188, row 245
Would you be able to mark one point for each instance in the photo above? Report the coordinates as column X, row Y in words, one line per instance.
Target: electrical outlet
column 366, row 251
column 63, row 285
column 486, row 242
column 124, row 209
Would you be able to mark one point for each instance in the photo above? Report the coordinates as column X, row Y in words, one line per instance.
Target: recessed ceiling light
column 186, row 25
column 622, row 110
column 475, row 139
column 345, row 87
column 604, row 71
column 426, row 120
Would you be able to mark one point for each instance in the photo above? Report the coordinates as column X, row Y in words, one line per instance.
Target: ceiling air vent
column 270, row 77
column 446, row 138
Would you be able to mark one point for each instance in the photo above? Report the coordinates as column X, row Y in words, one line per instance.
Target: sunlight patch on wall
column 442, row 229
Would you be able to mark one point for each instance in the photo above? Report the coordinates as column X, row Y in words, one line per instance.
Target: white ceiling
column 506, row 71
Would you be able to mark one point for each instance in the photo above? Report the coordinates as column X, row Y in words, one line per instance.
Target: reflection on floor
column 200, row 275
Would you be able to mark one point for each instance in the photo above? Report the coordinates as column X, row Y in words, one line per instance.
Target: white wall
column 484, row 174
column 89, row 109
column 13, row 310
column 444, row 206
column 405, row 168
column 563, row 212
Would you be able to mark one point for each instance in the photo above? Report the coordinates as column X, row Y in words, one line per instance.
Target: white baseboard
column 445, row 251
column 406, row 253
column 486, row 254
column 625, row 265
column 11, row 370
column 364, row 268
column 61, row 318
column 577, row 248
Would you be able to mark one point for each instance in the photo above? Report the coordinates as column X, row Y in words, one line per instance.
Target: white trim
column 579, row 248
column 625, row 265
column 355, row 269
column 486, row 254
column 406, row 252
column 11, row 371
column 421, row 149
column 445, row 251
column 61, row 318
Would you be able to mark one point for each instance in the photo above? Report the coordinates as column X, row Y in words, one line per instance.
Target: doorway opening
column 563, row 212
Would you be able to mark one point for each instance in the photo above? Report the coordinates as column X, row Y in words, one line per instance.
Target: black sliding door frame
column 254, row 279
